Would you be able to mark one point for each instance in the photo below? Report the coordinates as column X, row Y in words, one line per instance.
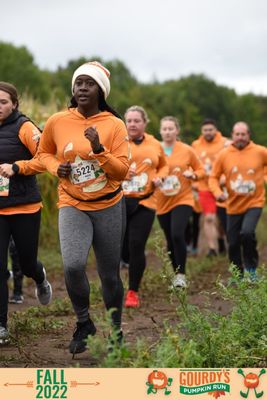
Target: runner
column 148, row 166
column 86, row 147
column 20, row 200
column 207, row 147
column 243, row 165
column 175, row 196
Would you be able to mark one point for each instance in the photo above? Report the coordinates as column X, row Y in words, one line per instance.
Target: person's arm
column 196, row 171
column 47, row 149
column 114, row 161
column 214, row 180
column 29, row 135
column 162, row 170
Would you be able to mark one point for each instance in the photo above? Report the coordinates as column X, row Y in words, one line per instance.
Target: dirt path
column 50, row 349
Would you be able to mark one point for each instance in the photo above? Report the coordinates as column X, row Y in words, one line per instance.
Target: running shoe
column 124, row 264
column 132, row 299
column 179, row 281
column 43, row 291
column 16, row 299
column 4, row 337
column 211, row 253
column 250, row 275
column 78, row 343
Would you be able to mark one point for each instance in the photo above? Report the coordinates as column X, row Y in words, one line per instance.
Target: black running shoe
column 79, row 341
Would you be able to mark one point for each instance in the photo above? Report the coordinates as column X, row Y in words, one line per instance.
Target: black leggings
column 174, row 224
column 192, row 230
column 24, row 229
column 139, row 223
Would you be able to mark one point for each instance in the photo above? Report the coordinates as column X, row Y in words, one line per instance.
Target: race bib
column 171, row 185
column 85, row 171
column 136, row 185
column 4, row 186
column 243, row 187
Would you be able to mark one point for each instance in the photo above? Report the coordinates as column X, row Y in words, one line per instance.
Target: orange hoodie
column 207, row 153
column 244, row 173
column 92, row 175
column 176, row 189
column 148, row 161
column 29, row 135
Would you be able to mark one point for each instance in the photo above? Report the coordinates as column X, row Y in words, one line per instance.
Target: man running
column 207, row 147
column 243, row 164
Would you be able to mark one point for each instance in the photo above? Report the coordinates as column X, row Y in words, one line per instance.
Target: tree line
column 190, row 99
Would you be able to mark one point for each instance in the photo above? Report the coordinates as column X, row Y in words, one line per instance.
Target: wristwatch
column 15, row 168
column 99, row 150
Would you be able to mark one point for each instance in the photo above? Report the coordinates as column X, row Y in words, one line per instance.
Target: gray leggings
column 103, row 229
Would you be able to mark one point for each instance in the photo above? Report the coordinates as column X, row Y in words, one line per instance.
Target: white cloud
column 225, row 40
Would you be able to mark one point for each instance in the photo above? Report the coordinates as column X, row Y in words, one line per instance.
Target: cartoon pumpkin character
column 251, row 381
column 158, row 380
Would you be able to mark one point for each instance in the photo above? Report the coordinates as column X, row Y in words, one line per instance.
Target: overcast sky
column 163, row 39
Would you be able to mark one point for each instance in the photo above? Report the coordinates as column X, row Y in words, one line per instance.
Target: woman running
column 87, row 148
column 175, row 196
column 148, row 167
column 20, row 200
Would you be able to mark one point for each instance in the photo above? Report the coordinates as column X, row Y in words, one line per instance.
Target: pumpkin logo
column 251, row 381
column 158, row 380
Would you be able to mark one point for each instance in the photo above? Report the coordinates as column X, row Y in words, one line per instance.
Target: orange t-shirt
column 29, row 135
column 92, row 175
column 148, row 161
column 176, row 189
column 244, row 172
column 207, row 153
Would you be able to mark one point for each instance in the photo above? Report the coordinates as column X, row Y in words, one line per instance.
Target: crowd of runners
column 113, row 179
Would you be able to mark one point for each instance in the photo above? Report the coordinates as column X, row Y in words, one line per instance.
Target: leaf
column 217, row 393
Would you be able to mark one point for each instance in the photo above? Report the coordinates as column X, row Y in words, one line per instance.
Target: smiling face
column 251, row 380
column 158, row 379
column 135, row 124
column 169, row 132
column 86, row 92
column 240, row 135
column 6, row 105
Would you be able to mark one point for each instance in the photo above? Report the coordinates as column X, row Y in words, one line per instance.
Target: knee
column 74, row 268
column 210, row 219
column 247, row 236
column 178, row 237
column 110, row 282
column 136, row 245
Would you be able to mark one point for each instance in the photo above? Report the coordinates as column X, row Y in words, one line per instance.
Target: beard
column 240, row 145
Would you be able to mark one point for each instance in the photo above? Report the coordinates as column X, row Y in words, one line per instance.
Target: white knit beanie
column 96, row 71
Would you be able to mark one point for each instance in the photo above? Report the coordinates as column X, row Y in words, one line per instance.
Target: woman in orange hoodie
column 174, row 196
column 86, row 147
column 147, row 168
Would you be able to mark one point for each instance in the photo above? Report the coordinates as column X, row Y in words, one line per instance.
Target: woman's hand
column 92, row 135
column 189, row 174
column 222, row 197
column 64, row 170
column 157, row 181
column 6, row 170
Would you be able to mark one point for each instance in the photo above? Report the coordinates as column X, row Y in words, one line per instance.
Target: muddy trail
column 50, row 348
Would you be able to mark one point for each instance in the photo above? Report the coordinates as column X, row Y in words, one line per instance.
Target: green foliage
column 17, row 66
column 190, row 99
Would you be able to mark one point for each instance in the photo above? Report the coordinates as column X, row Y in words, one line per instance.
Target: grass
column 198, row 338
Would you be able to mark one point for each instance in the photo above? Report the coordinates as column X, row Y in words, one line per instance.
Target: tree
column 17, row 67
